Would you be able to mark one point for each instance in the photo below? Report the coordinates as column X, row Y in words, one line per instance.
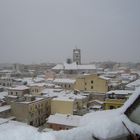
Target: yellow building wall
column 63, row 107
column 91, row 83
column 113, row 103
column 80, row 84
column 36, row 90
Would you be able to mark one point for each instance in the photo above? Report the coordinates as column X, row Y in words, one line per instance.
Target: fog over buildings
column 34, row 31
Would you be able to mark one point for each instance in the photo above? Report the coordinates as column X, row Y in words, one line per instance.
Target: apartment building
column 92, row 83
column 32, row 111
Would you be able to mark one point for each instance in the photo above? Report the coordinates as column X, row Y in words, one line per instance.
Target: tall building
column 32, row 111
column 77, row 56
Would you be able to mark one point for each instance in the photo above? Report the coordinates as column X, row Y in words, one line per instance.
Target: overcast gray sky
column 34, row 31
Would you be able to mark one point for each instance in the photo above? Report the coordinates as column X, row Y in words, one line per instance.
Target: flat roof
column 63, row 80
column 19, row 88
column 5, row 108
column 64, row 119
column 28, row 102
column 62, row 94
column 125, row 92
column 3, row 94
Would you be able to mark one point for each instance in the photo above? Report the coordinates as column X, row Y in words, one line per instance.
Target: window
column 39, row 105
column 134, row 111
column 31, row 123
column 91, row 81
column 39, row 112
column 36, row 106
column 11, row 93
column 60, row 128
column 30, row 108
column 111, row 107
column 85, row 88
column 85, row 83
column 91, row 87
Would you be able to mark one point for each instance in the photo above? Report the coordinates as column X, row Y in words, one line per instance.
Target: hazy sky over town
column 34, row 31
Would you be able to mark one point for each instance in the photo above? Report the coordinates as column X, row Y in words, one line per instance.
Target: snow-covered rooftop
column 95, row 107
column 37, row 84
column 58, row 67
column 5, row 108
column 63, row 99
column 74, row 66
column 38, row 79
column 36, row 100
column 6, row 71
column 64, row 119
column 12, row 96
column 105, row 78
column 22, row 87
column 61, row 94
column 97, row 101
column 62, row 80
column 122, row 92
column 134, row 84
column 29, row 80
column 3, row 94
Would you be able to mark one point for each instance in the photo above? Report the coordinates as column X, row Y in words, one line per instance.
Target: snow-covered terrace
column 64, row 119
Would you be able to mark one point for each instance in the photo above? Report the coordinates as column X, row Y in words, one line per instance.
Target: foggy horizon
column 44, row 31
